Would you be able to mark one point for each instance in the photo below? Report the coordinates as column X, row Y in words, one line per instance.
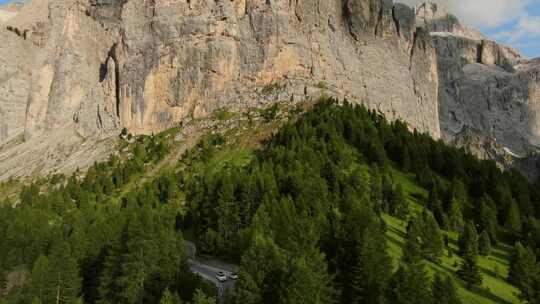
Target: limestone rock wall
column 96, row 66
column 75, row 71
column 483, row 86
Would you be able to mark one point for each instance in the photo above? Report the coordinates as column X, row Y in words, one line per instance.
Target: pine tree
column 524, row 270
column 39, row 284
column 263, row 262
column 436, row 207
column 432, row 239
column 513, row 218
column 469, row 271
column 458, row 191
column 406, row 159
column 408, row 285
column 373, row 267
column 202, row 298
column 109, row 284
column 64, row 274
column 387, row 191
column 170, row 298
column 412, row 251
column 137, row 259
column 35, row 300
column 444, row 291
column 484, row 244
column 307, row 280
column 487, row 217
column 377, row 196
column 455, row 217
column 108, row 185
column 399, row 205
column 468, row 240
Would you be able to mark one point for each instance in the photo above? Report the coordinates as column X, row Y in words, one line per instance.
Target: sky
column 512, row 22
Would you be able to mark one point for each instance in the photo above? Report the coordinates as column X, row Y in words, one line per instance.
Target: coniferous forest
column 306, row 218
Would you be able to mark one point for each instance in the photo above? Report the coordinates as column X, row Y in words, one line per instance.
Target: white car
column 221, row 276
column 233, row 276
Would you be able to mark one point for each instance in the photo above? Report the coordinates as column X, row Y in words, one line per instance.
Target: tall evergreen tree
column 432, row 239
column 412, row 251
column 484, row 244
column 406, row 163
column 524, row 270
column 468, row 240
column 455, row 217
column 408, row 285
column 35, row 300
column 469, row 271
column 399, row 205
column 487, row 217
column 202, row 298
column 513, row 218
column 444, row 291
column 170, row 298
column 372, row 270
column 39, row 279
column 65, row 281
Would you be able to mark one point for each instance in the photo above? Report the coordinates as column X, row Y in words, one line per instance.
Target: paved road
column 208, row 267
column 209, row 273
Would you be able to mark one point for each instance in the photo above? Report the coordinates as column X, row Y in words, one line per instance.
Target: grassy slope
column 495, row 267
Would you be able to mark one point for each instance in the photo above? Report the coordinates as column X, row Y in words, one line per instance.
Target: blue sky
column 522, row 32
column 513, row 22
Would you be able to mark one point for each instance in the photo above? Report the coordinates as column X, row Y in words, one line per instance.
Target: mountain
column 488, row 93
column 76, row 72
column 306, row 204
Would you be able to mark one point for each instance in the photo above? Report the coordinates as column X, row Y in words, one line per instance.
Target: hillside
column 302, row 200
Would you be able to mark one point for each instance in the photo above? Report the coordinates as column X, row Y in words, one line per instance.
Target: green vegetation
column 97, row 239
column 270, row 113
column 337, row 206
column 272, row 88
column 223, row 114
column 321, row 85
column 9, row 190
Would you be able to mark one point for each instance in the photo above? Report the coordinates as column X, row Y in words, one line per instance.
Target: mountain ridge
column 95, row 67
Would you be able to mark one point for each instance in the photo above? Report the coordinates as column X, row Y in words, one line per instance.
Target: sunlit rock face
column 92, row 67
column 96, row 66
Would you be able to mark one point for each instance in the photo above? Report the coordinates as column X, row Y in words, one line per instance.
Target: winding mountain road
column 208, row 267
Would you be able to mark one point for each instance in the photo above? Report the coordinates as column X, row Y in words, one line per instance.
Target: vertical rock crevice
column 110, row 70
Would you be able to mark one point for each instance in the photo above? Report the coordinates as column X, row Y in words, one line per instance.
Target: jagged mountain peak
column 437, row 19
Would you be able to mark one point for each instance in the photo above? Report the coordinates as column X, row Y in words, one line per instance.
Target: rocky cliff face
column 78, row 71
column 95, row 66
column 485, row 87
column 98, row 65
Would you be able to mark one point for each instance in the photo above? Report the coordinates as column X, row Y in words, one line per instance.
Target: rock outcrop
column 95, row 66
column 92, row 67
column 101, row 64
column 484, row 86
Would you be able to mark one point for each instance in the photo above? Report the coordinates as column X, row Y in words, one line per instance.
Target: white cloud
column 508, row 21
column 483, row 14
column 527, row 27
